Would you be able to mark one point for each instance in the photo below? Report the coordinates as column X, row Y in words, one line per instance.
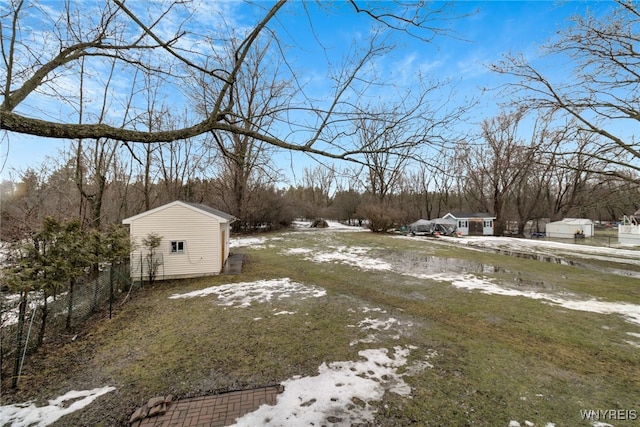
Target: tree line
column 201, row 113
column 517, row 180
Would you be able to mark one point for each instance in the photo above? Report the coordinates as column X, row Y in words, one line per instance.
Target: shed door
column 475, row 227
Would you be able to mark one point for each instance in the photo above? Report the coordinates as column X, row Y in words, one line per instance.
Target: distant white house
column 569, row 227
column 629, row 230
column 473, row 224
column 195, row 241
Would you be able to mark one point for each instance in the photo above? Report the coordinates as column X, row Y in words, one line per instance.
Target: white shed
column 568, row 227
column 195, row 241
column 470, row 223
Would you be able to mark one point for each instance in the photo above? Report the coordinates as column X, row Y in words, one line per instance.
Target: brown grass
column 498, row 358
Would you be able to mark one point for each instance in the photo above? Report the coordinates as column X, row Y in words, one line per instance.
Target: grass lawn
column 493, row 358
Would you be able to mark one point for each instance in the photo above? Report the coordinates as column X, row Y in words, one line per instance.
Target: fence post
column 72, row 285
column 110, row 290
column 21, row 314
column 96, row 282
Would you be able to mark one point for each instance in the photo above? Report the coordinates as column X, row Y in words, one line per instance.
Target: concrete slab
column 233, row 264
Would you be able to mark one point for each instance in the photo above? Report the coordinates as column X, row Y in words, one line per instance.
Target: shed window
column 463, row 223
column 177, row 246
column 488, row 223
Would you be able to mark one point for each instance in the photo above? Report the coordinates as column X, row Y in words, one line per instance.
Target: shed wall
column 203, row 251
column 563, row 230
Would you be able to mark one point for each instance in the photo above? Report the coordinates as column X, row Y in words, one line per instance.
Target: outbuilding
column 629, row 230
column 194, row 241
column 570, row 228
column 472, row 224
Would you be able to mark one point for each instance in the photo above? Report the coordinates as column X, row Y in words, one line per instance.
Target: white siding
column 199, row 232
column 629, row 234
column 567, row 228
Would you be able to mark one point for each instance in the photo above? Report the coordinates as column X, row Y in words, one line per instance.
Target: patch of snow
column 27, row 414
column 356, row 256
column 514, row 423
column 280, row 313
column 10, row 316
column 547, row 247
column 252, row 242
column 370, row 324
column 244, row 293
column 422, row 365
column 630, row 311
column 377, row 309
column 298, row 251
column 341, row 393
column 352, row 255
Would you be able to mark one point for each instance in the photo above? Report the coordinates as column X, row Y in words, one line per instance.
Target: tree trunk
column 43, row 324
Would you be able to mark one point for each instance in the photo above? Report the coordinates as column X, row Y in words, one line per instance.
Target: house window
column 488, row 223
column 463, row 223
column 177, row 246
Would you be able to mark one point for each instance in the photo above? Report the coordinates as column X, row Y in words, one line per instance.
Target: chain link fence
column 26, row 326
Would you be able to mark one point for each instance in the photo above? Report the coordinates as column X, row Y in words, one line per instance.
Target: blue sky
column 491, row 29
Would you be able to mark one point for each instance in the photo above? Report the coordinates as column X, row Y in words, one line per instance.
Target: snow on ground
column 341, row 394
column 351, row 255
column 245, row 293
column 264, row 241
column 358, row 257
column 630, row 311
column 548, row 247
column 10, row 315
column 253, row 242
column 28, row 414
column 514, row 423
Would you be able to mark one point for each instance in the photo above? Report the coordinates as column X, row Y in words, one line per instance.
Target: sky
column 310, row 400
column 485, row 32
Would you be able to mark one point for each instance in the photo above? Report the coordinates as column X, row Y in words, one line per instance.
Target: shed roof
column 573, row 221
column 466, row 215
column 225, row 217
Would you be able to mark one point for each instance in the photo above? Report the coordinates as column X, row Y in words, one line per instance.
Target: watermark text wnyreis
column 609, row 414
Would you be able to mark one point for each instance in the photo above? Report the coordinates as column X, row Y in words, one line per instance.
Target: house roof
column 467, row 215
column 212, row 211
column 225, row 217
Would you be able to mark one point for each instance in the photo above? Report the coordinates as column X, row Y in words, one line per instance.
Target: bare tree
column 258, row 97
column 494, row 167
column 162, row 41
column 600, row 92
column 95, row 158
column 570, row 175
column 319, row 183
column 24, row 207
column 432, row 184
